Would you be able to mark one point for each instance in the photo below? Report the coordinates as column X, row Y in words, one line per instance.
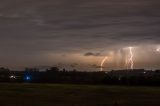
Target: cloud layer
column 31, row 30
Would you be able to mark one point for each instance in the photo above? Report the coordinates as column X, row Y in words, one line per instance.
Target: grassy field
column 77, row 95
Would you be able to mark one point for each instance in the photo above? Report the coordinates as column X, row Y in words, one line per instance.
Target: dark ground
column 77, row 95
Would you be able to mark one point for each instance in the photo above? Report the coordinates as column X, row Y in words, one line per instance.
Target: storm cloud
column 34, row 30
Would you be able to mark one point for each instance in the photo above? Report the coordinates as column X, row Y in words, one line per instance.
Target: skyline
column 79, row 34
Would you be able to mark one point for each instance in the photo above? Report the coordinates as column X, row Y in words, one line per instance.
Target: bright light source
column 12, row 77
column 28, row 78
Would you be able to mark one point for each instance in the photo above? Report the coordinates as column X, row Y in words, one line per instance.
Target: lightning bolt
column 103, row 61
column 131, row 58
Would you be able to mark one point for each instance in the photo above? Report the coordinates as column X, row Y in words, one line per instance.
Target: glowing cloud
column 158, row 49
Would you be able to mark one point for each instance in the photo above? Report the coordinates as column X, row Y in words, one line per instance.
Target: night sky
column 79, row 34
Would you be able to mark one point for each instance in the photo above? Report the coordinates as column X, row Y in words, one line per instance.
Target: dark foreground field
column 77, row 95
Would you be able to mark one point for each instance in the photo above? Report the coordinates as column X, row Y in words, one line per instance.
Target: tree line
column 54, row 75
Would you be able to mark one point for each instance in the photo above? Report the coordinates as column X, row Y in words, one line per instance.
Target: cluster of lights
column 26, row 77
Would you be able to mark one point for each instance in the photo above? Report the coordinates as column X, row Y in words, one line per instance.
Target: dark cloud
column 37, row 28
column 92, row 54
